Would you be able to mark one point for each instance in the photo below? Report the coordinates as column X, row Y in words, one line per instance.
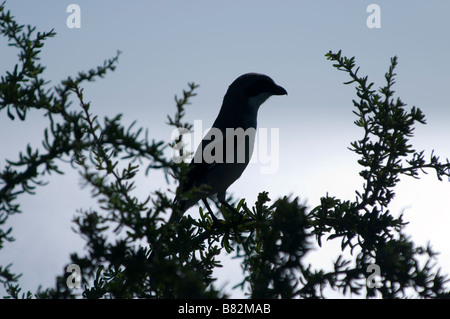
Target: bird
column 226, row 149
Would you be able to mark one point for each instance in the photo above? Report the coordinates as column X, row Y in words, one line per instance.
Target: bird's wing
column 199, row 167
column 212, row 152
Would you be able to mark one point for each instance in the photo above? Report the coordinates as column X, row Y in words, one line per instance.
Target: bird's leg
column 224, row 202
column 214, row 218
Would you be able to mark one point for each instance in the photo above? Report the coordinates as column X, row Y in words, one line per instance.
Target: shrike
column 225, row 151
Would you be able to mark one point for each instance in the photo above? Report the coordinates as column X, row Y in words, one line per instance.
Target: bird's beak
column 278, row 90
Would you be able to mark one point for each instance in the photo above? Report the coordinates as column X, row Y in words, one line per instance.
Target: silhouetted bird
column 221, row 157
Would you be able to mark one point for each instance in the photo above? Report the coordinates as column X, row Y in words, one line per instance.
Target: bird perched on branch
column 225, row 151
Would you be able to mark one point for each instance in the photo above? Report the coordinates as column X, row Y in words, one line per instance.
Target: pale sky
column 167, row 44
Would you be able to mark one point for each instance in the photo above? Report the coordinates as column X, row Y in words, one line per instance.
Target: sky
column 166, row 44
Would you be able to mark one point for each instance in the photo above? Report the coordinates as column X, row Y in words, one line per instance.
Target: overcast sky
column 167, row 44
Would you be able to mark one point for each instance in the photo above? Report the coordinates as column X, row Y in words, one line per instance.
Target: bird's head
column 255, row 88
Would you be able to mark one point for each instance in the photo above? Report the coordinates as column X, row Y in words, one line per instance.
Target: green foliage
column 366, row 223
column 133, row 251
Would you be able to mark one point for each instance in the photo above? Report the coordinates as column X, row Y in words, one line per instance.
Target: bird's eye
column 252, row 90
column 258, row 88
